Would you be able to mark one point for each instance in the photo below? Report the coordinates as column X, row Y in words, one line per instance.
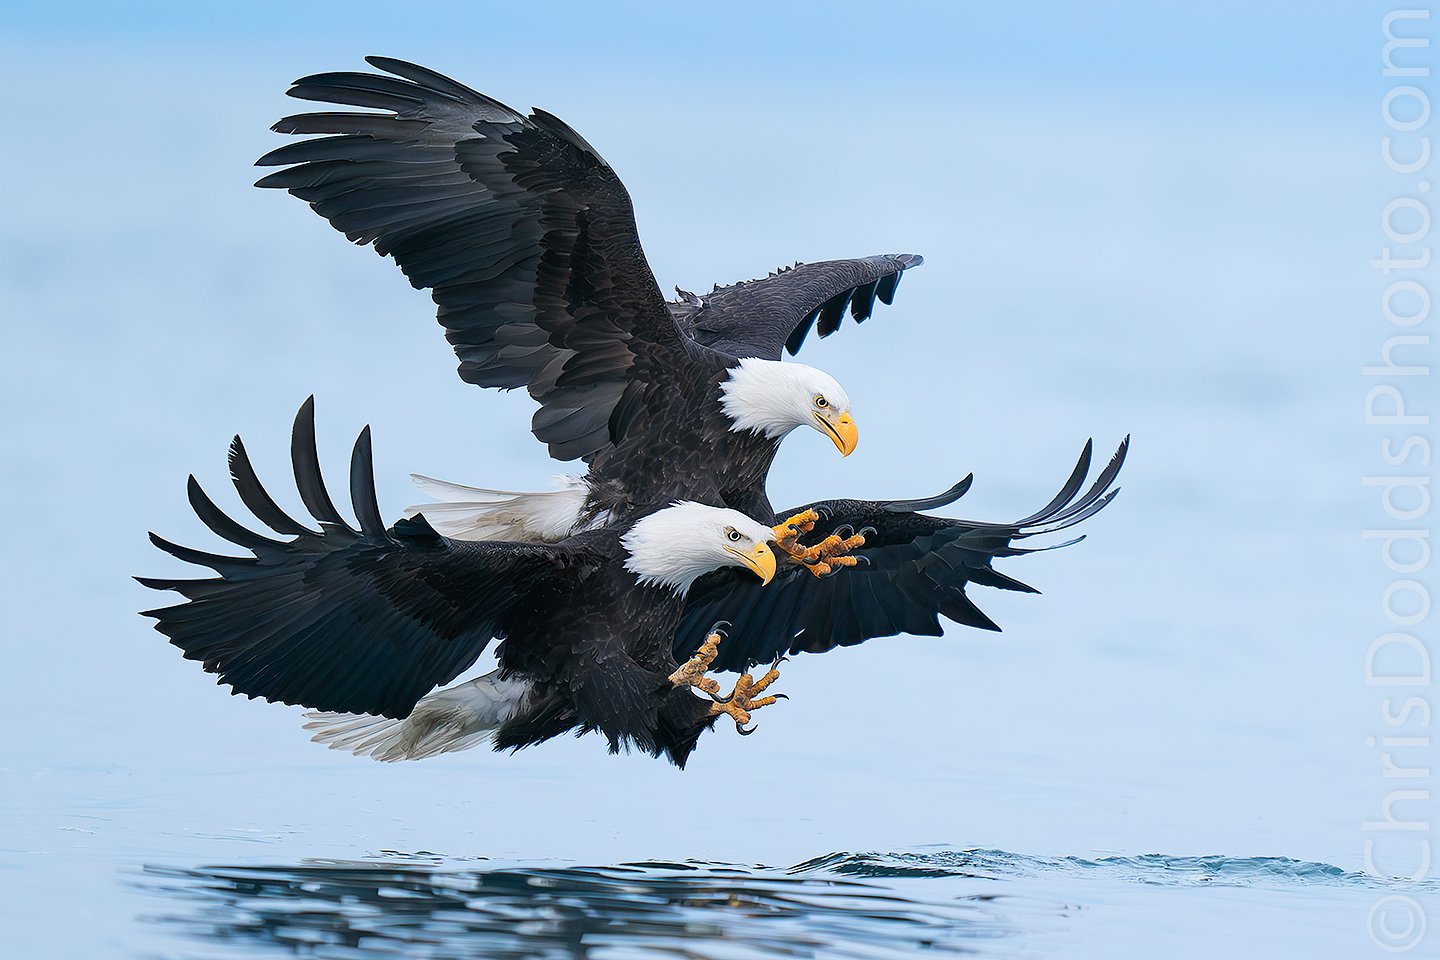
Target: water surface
column 984, row 902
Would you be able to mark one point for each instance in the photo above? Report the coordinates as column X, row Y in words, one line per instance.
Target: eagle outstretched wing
column 356, row 621
column 760, row 318
column 524, row 235
column 915, row 570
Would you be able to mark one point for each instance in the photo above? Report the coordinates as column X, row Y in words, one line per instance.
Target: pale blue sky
column 1250, row 50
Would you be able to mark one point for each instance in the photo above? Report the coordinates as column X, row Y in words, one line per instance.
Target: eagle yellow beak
column 760, row 559
column 841, row 430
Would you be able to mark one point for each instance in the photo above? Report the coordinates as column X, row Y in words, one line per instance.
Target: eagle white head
column 773, row 398
column 679, row 544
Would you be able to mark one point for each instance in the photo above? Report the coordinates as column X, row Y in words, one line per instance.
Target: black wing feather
column 887, row 287
column 932, row 503
column 831, row 312
column 362, row 488
column 254, row 496
column 306, row 461
column 862, row 301
column 1071, row 487
column 219, row 523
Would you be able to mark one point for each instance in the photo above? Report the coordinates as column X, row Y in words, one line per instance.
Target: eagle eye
column 820, row 400
column 732, row 534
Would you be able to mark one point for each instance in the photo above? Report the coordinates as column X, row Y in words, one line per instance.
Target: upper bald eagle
column 527, row 240
column 369, row 620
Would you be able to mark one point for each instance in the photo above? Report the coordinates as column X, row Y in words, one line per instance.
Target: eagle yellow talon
column 824, row 568
column 746, row 698
column 823, row 558
column 743, row 700
column 802, row 522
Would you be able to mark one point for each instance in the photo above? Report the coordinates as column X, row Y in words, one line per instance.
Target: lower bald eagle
column 369, row 620
column 914, row 570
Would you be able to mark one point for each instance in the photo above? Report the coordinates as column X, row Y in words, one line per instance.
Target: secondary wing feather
column 762, row 318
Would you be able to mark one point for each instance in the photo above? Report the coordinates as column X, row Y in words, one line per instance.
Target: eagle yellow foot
column 790, row 530
column 823, row 558
column 691, row 673
column 744, row 699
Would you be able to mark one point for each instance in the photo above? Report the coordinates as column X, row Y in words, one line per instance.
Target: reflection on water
column 384, row 909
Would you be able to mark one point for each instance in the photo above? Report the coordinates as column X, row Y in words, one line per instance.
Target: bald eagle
column 917, row 570
column 369, row 620
column 527, row 240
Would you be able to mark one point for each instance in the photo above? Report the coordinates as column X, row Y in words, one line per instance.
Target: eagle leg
column 825, row 557
column 691, row 673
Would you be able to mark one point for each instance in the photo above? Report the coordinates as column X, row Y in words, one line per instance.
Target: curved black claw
column 720, row 626
column 779, row 660
column 781, row 696
column 868, row 532
column 740, row 729
column 723, row 700
column 844, row 531
column 832, row 571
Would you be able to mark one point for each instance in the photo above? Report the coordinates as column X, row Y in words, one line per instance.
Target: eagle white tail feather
column 459, row 718
column 477, row 513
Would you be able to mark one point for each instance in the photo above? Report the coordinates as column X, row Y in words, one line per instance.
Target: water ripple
column 872, row 905
column 1151, row 868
